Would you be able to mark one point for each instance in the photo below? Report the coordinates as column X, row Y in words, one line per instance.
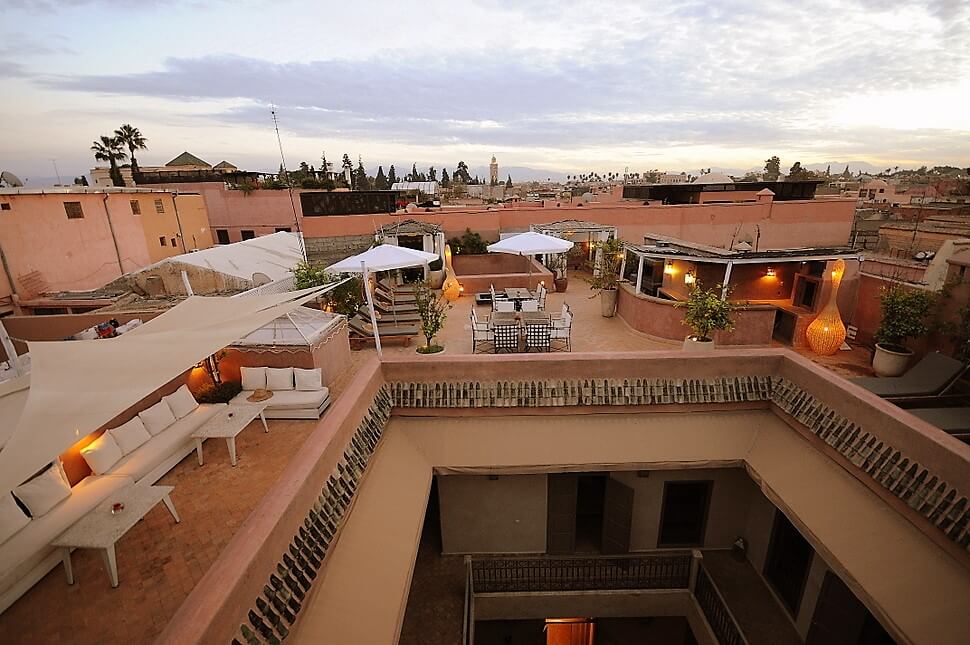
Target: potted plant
column 559, row 262
column 436, row 273
column 432, row 308
column 706, row 312
column 903, row 313
column 606, row 277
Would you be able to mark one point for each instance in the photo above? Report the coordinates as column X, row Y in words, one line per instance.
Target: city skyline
column 553, row 87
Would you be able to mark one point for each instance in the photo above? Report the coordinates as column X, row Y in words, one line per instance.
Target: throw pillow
column 308, row 380
column 157, row 418
column 101, row 454
column 181, row 402
column 12, row 518
column 279, row 378
column 130, row 435
column 253, row 378
column 43, row 492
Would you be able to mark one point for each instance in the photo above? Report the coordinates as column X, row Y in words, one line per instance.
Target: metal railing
column 572, row 573
column 715, row 610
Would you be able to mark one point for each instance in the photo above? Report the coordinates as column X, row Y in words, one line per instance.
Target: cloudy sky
column 560, row 85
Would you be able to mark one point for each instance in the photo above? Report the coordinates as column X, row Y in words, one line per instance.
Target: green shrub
column 470, row 243
column 219, row 393
column 903, row 314
column 707, row 311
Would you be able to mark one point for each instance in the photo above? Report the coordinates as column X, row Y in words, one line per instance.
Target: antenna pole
column 56, row 171
column 289, row 187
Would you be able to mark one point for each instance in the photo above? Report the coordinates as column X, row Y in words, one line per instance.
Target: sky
column 559, row 87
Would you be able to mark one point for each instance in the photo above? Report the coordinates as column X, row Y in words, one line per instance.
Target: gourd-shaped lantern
column 827, row 332
column 450, row 288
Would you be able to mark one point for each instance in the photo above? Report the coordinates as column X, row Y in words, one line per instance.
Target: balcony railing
column 716, row 612
column 511, row 575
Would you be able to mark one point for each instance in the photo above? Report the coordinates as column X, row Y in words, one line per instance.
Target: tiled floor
column 159, row 562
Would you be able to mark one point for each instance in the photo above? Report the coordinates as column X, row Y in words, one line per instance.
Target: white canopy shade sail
column 385, row 257
column 530, row 243
column 78, row 386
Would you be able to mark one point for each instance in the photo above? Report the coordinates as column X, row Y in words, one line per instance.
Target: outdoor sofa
column 140, row 450
column 297, row 393
column 933, row 375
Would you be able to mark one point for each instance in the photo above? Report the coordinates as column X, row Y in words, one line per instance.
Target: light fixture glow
column 689, row 277
column 770, row 273
column 669, row 269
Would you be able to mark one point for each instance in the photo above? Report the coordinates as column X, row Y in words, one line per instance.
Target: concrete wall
column 477, row 272
column 503, row 515
column 61, row 326
column 731, row 494
column 662, row 319
column 194, row 218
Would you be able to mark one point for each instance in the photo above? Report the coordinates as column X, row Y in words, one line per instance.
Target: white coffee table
column 101, row 529
column 227, row 424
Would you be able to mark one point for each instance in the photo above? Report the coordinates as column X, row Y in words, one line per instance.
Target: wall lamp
column 770, row 273
column 689, row 277
column 669, row 268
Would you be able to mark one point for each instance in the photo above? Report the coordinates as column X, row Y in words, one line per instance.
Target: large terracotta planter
column 697, row 344
column 890, row 360
column 561, row 284
column 436, row 278
column 608, row 302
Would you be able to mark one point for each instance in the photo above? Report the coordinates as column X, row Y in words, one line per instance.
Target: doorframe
column 793, row 611
column 663, row 511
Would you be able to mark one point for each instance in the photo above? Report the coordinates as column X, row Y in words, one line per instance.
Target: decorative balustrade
column 715, row 610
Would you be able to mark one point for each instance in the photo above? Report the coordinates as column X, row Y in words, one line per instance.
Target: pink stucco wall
column 68, row 254
column 261, row 211
column 779, row 224
column 477, row 272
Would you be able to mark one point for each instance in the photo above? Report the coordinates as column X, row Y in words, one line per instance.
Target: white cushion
column 253, row 378
column 43, row 492
column 157, row 418
column 308, row 380
column 289, row 400
column 181, row 402
column 278, row 378
column 101, row 454
column 12, row 517
column 130, row 435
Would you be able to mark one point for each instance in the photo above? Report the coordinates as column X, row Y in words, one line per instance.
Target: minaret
column 493, row 171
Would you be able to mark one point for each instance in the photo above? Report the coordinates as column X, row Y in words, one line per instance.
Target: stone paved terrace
column 159, row 563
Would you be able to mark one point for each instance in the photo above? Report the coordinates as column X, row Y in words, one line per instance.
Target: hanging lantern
column 689, row 277
column 669, row 268
column 826, row 333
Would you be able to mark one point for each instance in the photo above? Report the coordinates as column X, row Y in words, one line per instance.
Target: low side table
column 101, row 529
column 227, row 424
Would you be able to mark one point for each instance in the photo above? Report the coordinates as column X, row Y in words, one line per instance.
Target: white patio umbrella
column 530, row 244
column 385, row 257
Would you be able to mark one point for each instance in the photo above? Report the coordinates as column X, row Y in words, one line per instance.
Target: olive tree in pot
column 559, row 264
column 433, row 309
column 706, row 312
column 903, row 316
column 606, row 282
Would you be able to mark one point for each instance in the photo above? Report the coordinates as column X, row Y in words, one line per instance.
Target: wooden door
column 617, row 517
column 561, row 513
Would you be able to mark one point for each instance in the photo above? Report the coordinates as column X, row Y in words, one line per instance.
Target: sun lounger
column 403, row 289
column 391, row 318
column 933, row 375
column 387, row 309
column 953, row 421
column 393, row 295
column 361, row 332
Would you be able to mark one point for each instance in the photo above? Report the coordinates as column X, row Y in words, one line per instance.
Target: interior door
column 617, row 517
column 561, row 513
column 789, row 558
column 839, row 616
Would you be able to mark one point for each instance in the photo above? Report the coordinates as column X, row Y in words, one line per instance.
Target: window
column 283, row 229
column 159, row 206
column 174, row 242
column 161, row 240
column 788, row 561
column 222, row 236
column 135, row 207
column 247, row 235
column 684, row 515
column 73, row 210
column 4, row 206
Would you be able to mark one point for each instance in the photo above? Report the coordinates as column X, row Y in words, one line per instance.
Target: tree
column 132, row 138
column 772, row 169
column 433, row 310
column 508, row 182
column 796, row 171
column 846, row 174
column 344, row 299
column 461, row 175
column 828, row 170
column 392, row 177
column 81, row 181
column 380, row 182
column 361, row 182
column 432, row 174
column 707, row 312
column 445, row 179
column 109, row 149
column 324, row 165
column 414, row 173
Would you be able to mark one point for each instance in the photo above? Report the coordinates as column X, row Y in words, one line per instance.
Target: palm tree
column 109, row 149
column 131, row 137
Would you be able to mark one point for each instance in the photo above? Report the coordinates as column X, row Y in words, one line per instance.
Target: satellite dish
column 10, row 179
